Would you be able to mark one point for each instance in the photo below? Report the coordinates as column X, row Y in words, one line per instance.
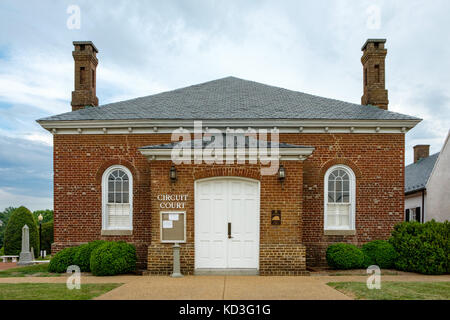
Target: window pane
column 338, row 197
column 125, row 197
column 331, row 196
column 330, row 185
column 118, row 186
column 111, row 197
column 346, row 185
column 338, row 185
column 346, row 197
column 125, row 186
column 118, row 197
column 111, row 186
column 344, row 221
column 331, row 220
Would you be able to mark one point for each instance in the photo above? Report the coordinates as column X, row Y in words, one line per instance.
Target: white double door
column 226, row 223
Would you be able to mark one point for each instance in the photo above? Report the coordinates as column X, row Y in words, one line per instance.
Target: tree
column 47, row 236
column 4, row 217
column 13, row 233
column 47, row 215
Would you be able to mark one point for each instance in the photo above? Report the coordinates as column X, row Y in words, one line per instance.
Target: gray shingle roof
column 231, row 98
column 417, row 174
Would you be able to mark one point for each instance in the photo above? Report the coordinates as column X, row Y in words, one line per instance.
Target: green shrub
column 2, row 251
column 62, row 260
column 423, row 248
column 112, row 258
column 47, row 236
column 380, row 253
column 83, row 255
column 13, row 232
column 344, row 256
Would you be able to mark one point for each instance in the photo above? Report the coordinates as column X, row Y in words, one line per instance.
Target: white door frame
column 258, row 213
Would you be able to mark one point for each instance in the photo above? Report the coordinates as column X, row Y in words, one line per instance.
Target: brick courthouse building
column 340, row 175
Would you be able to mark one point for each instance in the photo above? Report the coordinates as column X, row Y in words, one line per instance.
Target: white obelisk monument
column 25, row 255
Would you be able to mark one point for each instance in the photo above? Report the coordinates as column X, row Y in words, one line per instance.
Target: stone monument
column 25, row 257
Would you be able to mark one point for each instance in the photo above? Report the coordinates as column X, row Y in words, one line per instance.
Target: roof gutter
column 284, row 125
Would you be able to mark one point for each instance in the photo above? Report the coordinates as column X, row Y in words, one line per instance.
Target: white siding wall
column 437, row 206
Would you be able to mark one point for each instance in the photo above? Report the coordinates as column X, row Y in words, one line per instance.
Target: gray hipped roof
column 231, row 98
column 417, row 174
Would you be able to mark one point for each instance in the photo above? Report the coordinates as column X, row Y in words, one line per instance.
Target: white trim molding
column 284, row 126
column 290, row 154
column 352, row 198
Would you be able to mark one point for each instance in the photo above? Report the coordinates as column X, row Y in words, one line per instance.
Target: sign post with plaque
column 173, row 230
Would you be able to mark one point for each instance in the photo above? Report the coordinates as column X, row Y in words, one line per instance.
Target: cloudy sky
column 151, row 46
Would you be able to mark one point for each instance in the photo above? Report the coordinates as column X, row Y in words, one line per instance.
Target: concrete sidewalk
column 223, row 287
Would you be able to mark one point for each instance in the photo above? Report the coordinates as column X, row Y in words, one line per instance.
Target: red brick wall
column 378, row 163
column 286, row 238
column 377, row 160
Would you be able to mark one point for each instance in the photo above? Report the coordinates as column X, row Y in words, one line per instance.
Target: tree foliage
column 47, row 215
column 13, row 233
column 4, row 218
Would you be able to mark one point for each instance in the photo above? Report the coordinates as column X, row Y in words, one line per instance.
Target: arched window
column 339, row 197
column 117, row 189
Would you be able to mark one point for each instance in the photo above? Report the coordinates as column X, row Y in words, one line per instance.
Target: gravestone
column 25, row 257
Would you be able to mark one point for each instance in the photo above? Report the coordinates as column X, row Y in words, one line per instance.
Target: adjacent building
column 426, row 181
column 338, row 177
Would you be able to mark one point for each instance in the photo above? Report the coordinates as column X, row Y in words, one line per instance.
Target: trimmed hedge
column 83, row 256
column 113, row 258
column 423, row 248
column 380, row 253
column 344, row 256
column 62, row 260
column 13, row 232
column 47, row 236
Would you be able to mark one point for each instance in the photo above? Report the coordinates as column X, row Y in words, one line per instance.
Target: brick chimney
column 85, row 57
column 373, row 58
column 421, row 151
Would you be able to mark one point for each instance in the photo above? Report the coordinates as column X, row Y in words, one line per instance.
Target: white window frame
column 352, row 190
column 105, row 196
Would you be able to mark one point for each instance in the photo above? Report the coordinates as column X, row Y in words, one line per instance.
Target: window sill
column 117, row 232
column 339, row 232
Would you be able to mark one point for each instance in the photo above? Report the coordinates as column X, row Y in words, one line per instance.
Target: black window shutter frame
column 407, row 215
column 418, row 214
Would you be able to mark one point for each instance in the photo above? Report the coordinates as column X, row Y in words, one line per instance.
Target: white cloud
column 152, row 46
column 12, row 198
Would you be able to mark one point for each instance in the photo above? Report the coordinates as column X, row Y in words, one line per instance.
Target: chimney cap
column 86, row 42
column 421, row 145
column 372, row 41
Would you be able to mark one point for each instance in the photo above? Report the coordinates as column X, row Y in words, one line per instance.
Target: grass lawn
column 52, row 291
column 36, row 270
column 395, row 290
